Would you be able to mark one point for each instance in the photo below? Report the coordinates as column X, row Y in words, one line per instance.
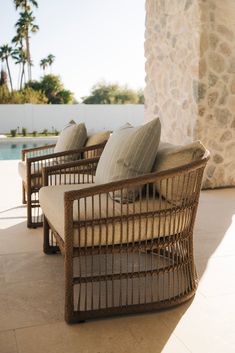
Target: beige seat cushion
column 129, row 152
column 96, row 139
column 72, row 137
column 172, row 156
column 52, row 203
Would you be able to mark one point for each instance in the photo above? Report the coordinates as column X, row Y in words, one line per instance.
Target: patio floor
column 31, row 304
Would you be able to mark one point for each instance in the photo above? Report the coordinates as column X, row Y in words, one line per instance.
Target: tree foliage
column 3, row 78
column 48, row 61
column 49, row 89
column 26, row 95
column 20, row 58
column 52, row 87
column 6, row 52
column 103, row 93
column 24, row 26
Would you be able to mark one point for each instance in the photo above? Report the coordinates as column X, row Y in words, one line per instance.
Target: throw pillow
column 72, row 137
column 96, row 139
column 129, row 152
column 172, row 156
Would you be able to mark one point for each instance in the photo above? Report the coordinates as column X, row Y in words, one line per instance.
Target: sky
column 92, row 40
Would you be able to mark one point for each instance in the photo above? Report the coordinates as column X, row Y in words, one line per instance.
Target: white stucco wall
column 97, row 117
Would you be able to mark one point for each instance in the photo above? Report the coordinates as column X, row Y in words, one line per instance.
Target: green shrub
column 56, row 132
column 113, row 93
column 29, row 95
column 34, row 133
column 26, row 95
column 53, row 89
column 4, row 94
column 45, row 132
column 24, row 131
column 13, row 132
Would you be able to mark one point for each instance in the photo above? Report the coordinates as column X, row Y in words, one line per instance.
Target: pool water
column 11, row 150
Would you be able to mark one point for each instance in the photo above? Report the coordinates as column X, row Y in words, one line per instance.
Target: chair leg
column 29, row 209
column 47, row 248
column 32, row 222
column 23, row 194
column 46, row 229
column 69, row 295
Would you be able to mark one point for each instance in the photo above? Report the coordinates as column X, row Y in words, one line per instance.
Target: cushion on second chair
column 172, row 156
column 72, row 137
column 96, row 139
column 129, row 152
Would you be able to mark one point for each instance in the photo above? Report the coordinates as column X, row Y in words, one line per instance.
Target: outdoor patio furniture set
column 121, row 209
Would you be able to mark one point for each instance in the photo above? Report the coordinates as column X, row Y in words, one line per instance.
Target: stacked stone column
column 190, row 77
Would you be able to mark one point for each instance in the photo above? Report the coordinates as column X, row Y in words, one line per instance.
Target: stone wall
column 216, row 120
column 190, row 76
column 172, row 52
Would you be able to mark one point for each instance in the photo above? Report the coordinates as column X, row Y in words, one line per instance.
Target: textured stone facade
column 190, row 76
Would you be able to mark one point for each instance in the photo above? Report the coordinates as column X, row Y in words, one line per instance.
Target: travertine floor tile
column 10, row 185
column 128, row 334
column 8, row 342
column 153, row 336
column 217, row 276
column 15, row 237
column 33, row 266
column 2, row 275
column 31, row 303
column 198, row 328
column 222, row 314
column 174, row 345
column 215, row 224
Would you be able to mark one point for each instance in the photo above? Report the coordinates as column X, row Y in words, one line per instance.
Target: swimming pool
column 11, row 148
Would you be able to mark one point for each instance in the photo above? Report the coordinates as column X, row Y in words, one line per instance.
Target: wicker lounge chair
column 123, row 257
column 30, row 170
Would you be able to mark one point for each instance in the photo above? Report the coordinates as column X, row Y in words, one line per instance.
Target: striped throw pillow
column 129, row 152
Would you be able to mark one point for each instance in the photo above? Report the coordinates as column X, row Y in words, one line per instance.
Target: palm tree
column 44, row 63
column 25, row 4
column 20, row 57
column 5, row 53
column 20, row 54
column 50, row 59
column 3, row 78
column 25, row 25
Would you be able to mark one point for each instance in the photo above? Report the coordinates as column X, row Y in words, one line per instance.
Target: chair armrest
column 34, row 165
column 35, row 150
column 75, row 169
column 63, row 155
column 139, row 181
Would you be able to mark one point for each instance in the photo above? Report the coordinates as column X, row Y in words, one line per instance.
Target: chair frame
column 34, row 158
column 176, row 249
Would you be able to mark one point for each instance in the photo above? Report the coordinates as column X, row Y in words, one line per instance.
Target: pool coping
column 28, row 139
